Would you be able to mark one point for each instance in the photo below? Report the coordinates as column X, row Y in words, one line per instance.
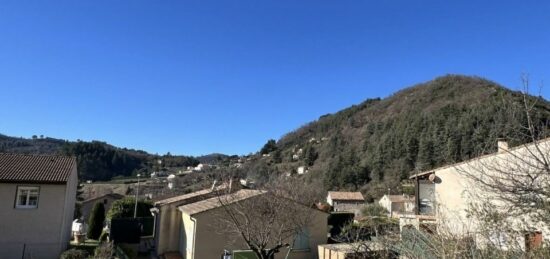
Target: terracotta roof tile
column 347, row 196
column 212, row 203
column 35, row 168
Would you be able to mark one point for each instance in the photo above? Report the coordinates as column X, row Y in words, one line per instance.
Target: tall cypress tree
column 95, row 222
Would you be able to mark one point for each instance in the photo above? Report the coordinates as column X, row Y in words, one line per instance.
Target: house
column 86, row 206
column 38, row 200
column 445, row 195
column 397, row 204
column 346, row 201
column 168, row 223
column 205, row 240
column 192, row 231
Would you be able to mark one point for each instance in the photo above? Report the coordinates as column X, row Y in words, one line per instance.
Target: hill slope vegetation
column 375, row 145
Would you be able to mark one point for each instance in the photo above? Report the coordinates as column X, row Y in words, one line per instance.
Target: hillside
column 375, row 145
column 97, row 160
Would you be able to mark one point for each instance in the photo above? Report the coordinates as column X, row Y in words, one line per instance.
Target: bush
column 124, row 208
column 105, row 251
column 95, row 222
column 74, row 254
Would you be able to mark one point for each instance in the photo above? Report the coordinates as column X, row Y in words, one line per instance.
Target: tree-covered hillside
column 375, row 145
column 97, row 160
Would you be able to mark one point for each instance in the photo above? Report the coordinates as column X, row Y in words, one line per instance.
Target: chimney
column 502, row 145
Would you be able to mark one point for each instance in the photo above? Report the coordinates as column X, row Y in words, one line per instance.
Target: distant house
column 37, row 205
column 107, row 199
column 187, row 229
column 201, row 167
column 398, row 204
column 346, row 201
column 301, row 170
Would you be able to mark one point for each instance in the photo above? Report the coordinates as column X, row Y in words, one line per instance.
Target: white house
column 446, row 195
column 346, row 201
column 397, row 205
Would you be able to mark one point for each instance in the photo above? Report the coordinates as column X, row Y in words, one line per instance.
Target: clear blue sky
column 195, row 77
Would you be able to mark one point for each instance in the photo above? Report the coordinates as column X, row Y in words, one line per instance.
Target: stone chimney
column 502, row 145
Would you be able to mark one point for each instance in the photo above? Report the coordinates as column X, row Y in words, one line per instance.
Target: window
column 27, row 197
column 301, row 242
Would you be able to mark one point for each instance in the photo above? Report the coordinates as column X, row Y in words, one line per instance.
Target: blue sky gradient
column 195, row 77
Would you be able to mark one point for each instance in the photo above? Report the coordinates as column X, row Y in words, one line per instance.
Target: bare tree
column 510, row 190
column 269, row 218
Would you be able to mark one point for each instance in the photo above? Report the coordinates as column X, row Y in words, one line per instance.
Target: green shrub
column 105, row 251
column 74, row 254
column 95, row 222
column 124, row 208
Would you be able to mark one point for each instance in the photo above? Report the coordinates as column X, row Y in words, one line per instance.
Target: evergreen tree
column 269, row 147
column 96, row 220
column 310, row 155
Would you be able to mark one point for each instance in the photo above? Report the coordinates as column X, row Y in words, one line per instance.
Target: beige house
column 397, row 205
column 346, row 201
column 107, row 200
column 168, row 223
column 446, row 194
column 36, row 210
column 194, row 231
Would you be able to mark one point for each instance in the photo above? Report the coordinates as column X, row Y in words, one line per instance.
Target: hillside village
column 316, row 193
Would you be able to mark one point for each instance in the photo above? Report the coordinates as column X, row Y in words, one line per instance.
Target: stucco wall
column 41, row 230
column 456, row 191
column 169, row 229
column 210, row 240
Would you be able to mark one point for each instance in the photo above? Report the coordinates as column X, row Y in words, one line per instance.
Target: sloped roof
column 184, row 197
column 213, row 203
column 191, row 197
column 19, row 168
column 346, row 196
column 545, row 141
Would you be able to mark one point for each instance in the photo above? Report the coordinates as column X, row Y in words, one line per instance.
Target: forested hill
column 375, row 145
column 97, row 160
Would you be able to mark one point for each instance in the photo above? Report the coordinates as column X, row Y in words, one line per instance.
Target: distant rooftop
column 347, row 196
column 19, row 168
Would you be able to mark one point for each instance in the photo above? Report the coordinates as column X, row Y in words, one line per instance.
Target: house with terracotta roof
column 205, row 240
column 37, row 205
column 195, row 231
column 168, row 223
column 346, row 201
column 446, row 195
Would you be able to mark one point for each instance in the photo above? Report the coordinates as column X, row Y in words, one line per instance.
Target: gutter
column 194, row 236
column 156, row 235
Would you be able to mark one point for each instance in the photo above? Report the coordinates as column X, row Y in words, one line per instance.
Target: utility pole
column 137, row 195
